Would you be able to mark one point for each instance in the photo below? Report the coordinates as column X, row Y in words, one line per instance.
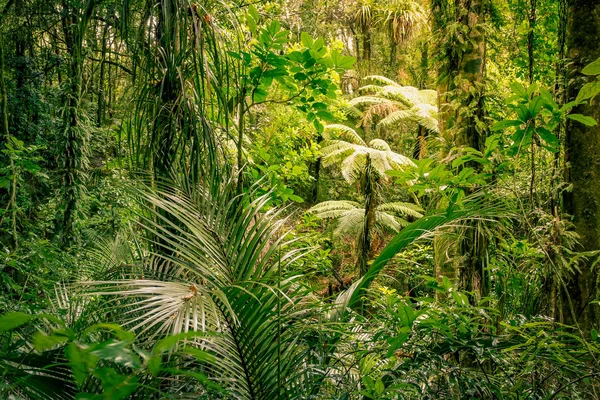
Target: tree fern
column 350, row 216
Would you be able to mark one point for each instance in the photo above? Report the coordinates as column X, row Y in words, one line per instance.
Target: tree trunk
column 6, row 133
column 531, row 37
column 73, row 24
column 101, row 85
column 461, row 79
column 365, row 242
column 582, row 156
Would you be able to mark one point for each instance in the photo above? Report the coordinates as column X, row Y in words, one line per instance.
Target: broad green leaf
column 306, row 40
column 259, row 95
column 589, row 121
column 501, row 125
column 519, row 90
column 588, row 91
column 325, row 116
column 14, row 320
column 253, row 12
column 548, row 137
column 118, row 352
column 592, row 68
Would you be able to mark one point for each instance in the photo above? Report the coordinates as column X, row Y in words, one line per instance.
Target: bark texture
column 582, row 154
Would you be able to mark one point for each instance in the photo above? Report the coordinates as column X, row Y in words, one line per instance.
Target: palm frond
column 226, row 277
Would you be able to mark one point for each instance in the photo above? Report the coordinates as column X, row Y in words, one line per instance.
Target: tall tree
column 460, row 29
column 75, row 18
column 582, row 156
column 366, row 163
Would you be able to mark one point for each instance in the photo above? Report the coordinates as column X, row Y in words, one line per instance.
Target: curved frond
column 380, row 144
column 342, row 132
column 351, row 223
column 407, row 95
column 363, row 101
column 333, row 209
column 370, row 89
column 353, row 165
column 385, row 221
column 408, row 209
column 381, row 80
column 429, row 96
column 426, row 116
column 397, row 117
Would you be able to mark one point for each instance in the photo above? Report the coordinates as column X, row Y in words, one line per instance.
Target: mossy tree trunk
column 371, row 180
column 582, row 156
column 74, row 24
column 461, row 79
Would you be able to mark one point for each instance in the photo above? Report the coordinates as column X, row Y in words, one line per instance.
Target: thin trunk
column 6, row 133
column 101, row 80
column 420, row 148
column 531, row 37
column 317, row 177
column 582, row 152
column 240, row 143
column 365, row 242
column 393, row 48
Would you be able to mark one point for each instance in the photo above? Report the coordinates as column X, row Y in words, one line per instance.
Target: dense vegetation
column 299, row 199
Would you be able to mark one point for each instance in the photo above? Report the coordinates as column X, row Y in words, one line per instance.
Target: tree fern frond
column 351, row 223
column 426, row 116
column 364, row 101
column 379, row 144
column 385, row 221
column 333, row 205
column 370, row 89
column 351, row 166
column 381, row 80
column 377, row 110
column 429, row 96
column 407, row 95
column 397, row 117
column 343, row 132
column 409, row 209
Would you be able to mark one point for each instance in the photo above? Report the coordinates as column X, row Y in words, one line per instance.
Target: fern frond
column 379, row 144
column 382, row 80
column 378, row 110
column 327, row 209
column 363, row 101
column 342, row 132
column 353, row 165
column 351, row 223
column 385, row 221
column 408, row 209
column 429, row 96
column 370, row 89
column 407, row 95
column 396, row 117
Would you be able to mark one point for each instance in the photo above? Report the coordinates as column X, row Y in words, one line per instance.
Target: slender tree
column 366, row 163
